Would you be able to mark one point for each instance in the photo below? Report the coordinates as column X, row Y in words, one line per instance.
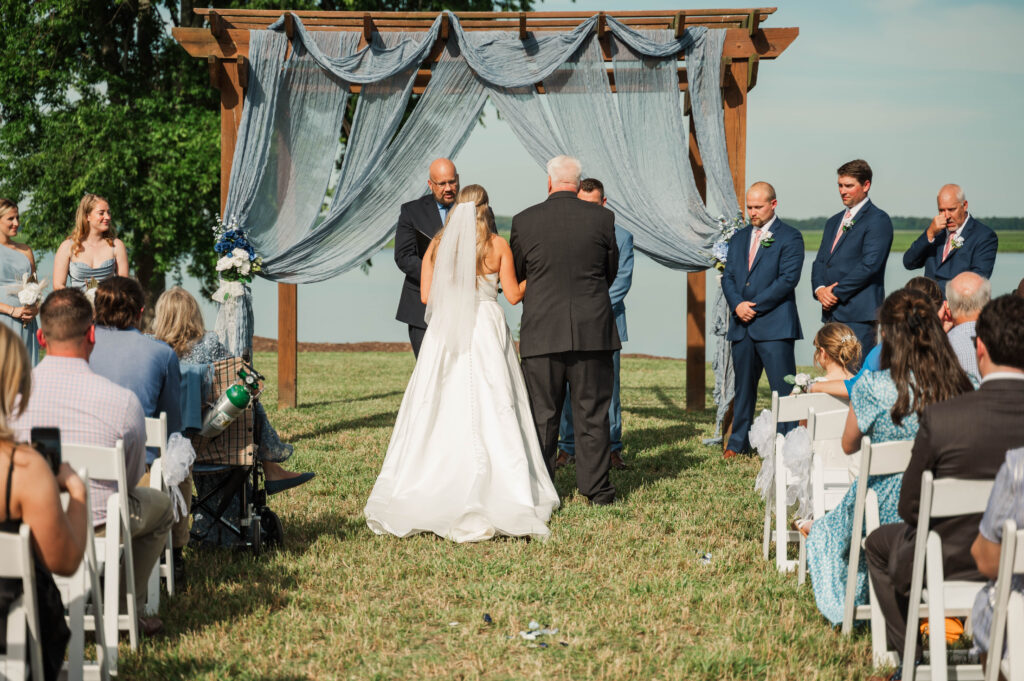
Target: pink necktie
column 753, row 248
column 839, row 232
column 949, row 245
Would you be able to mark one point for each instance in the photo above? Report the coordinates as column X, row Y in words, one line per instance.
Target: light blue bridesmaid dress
column 14, row 264
column 79, row 274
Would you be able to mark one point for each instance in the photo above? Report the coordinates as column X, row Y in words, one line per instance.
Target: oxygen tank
column 229, row 407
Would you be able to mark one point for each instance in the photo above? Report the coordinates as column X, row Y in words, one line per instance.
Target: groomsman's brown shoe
column 618, row 463
column 563, row 459
column 730, row 454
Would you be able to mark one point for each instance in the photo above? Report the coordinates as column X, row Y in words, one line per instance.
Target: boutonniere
column 847, row 225
column 767, row 239
column 957, row 241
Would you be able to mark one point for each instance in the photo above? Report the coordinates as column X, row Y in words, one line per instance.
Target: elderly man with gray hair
column 565, row 249
column 966, row 294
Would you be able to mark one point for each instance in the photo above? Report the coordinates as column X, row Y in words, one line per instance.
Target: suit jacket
column 418, row 222
column 978, row 254
column 965, row 437
column 857, row 264
column 623, row 280
column 565, row 249
column 770, row 283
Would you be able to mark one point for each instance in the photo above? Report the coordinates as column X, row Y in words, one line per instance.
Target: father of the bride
column 565, row 250
column 418, row 222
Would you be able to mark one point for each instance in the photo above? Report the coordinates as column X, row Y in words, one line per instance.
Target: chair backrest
column 102, row 463
column 156, row 432
column 885, row 458
column 794, row 407
column 955, row 496
column 1011, row 562
column 826, row 425
column 16, row 563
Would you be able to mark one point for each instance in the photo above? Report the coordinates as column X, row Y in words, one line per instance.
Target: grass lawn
column 625, row 585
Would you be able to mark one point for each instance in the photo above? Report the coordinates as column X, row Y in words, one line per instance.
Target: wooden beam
column 287, row 345
column 680, row 24
column 696, row 300
column 735, row 100
column 367, row 27
column 523, row 35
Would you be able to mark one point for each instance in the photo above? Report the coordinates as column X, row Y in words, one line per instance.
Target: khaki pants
column 180, row 527
column 150, row 518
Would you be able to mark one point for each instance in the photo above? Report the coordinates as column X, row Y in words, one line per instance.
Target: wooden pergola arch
column 224, row 43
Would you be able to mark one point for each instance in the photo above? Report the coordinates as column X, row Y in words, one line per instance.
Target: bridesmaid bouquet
column 238, row 261
column 31, row 291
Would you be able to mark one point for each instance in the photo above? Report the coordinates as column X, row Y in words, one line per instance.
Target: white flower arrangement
column 767, row 239
column 848, row 224
column 727, row 229
column 238, row 261
column 31, row 291
column 801, row 382
column 957, row 241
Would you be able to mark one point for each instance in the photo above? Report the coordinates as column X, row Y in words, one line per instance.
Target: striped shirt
column 1006, row 502
column 89, row 410
column 961, row 337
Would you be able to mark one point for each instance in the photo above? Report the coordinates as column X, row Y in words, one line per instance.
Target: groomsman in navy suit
column 848, row 275
column 954, row 242
column 761, row 273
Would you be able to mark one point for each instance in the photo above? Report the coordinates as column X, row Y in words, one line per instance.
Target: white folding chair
column 1008, row 614
column 882, row 459
column 84, row 602
column 785, row 410
column 943, row 498
column 828, row 483
column 156, row 436
column 23, row 615
column 107, row 463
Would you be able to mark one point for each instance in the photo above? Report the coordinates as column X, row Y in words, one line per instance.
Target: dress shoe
column 275, row 486
column 730, row 454
column 150, row 626
column 618, row 463
column 563, row 459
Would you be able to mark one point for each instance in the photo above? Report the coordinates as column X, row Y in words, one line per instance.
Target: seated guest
column 837, row 352
column 966, row 294
column 918, row 369
column 1006, row 502
column 31, row 496
column 92, row 410
column 932, row 291
column 964, row 437
column 179, row 324
column 123, row 354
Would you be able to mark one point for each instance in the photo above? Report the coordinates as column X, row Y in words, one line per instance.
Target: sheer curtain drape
column 311, row 220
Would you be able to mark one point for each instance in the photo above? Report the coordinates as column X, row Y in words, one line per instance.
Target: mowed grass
column 1010, row 241
column 625, row 585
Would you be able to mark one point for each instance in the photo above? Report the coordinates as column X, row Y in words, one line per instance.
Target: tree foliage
column 96, row 96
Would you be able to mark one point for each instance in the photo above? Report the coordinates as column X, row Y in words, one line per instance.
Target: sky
column 927, row 91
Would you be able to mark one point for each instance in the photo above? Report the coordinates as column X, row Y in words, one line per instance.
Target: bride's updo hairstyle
column 477, row 195
column 839, row 344
column 917, row 354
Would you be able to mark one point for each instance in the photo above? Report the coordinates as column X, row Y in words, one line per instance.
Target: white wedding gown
column 464, row 461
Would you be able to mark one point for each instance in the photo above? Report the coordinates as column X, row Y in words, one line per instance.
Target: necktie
column 839, row 232
column 948, row 248
column 753, row 248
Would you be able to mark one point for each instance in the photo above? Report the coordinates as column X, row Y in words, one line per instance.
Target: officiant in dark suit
column 848, row 274
column 954, row 242
column 761, row 273
column 418, row 222
column 565, row 250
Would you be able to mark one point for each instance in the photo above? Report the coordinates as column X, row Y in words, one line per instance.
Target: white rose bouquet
column 238, row 260
column 31, row 291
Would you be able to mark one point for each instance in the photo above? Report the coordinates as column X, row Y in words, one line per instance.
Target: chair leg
column 111, row 593
column 76, row 622
column 802, row 568
column 766, row 541
column 153, row 599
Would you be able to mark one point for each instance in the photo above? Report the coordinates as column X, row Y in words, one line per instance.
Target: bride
column 464, row 461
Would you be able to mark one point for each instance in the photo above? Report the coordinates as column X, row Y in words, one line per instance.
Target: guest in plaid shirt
column 1005, row 503
column 92, row 410
column 966, row 294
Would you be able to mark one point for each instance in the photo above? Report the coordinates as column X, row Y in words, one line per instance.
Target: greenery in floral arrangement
column 727, row 228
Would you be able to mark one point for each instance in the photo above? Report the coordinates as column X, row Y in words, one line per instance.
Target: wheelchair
column 229, row 508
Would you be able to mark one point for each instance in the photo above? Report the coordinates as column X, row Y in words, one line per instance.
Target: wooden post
column 696, row 297
column 287, row 344
column 735, row 97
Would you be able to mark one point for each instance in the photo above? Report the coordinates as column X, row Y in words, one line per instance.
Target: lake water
column 358, row 307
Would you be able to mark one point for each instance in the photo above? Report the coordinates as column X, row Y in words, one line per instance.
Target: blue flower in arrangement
column 727, row 228
column 238, row 261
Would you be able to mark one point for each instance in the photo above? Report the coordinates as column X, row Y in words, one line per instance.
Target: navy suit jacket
column 770, row 283
column 857, row 264
column 978, row 254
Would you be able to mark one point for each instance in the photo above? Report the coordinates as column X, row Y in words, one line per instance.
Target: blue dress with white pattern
column 828, row 544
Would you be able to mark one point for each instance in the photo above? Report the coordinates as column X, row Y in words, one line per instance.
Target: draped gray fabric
column 311, row 221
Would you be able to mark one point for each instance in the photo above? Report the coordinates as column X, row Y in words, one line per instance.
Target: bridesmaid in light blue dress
column 919, row 365
column 16, row 260
column 93, row 251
